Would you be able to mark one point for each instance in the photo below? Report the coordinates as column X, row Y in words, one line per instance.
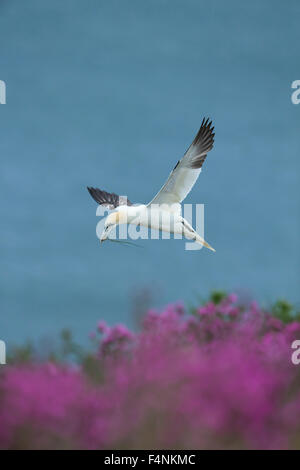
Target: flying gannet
column 164, row 211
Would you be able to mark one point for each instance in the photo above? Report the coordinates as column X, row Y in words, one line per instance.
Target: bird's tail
column 200, row 240
column 204, row 243
column 190, row 233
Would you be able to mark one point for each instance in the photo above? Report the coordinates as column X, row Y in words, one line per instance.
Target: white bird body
column 157, row 218
column 164, row 211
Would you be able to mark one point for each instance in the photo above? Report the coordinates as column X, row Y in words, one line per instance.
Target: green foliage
column 92, row 367
column 217, row 296
column 68, row 348
column 285, row 311
column 21, row 354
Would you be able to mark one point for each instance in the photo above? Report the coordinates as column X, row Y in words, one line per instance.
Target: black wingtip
column 93, row 193
column 202, row 143
column 206, row 123
column 205, row 132
column 106, row 199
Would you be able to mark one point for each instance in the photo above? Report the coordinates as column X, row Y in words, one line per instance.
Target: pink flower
column 102, row 327
column 208, row 309
column 220, row 379
column 232, row 298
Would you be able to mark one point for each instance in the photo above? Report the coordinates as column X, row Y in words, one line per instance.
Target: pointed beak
column 103, row 236
column 105, row 233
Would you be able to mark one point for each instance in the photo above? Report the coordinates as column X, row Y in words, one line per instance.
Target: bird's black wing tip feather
column 106, row 199
column 96, row 194
column 203, row 143
column 205, row 134
column 90, row 189
column 206, row 123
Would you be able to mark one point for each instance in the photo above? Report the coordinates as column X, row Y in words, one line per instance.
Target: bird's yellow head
column 112, row 220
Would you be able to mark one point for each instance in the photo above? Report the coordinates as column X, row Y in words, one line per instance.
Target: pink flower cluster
column 219, row 378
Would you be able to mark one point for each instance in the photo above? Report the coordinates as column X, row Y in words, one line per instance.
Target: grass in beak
column 126, row 243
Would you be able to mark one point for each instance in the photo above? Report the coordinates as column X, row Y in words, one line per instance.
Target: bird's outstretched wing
column 185, row 173
column 109, row 200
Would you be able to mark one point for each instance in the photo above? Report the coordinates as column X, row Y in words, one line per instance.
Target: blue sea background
column 110, row 94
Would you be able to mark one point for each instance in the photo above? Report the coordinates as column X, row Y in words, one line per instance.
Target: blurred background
column 110, row 94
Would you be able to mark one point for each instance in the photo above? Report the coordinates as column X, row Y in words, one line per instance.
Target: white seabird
column 164, row 211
